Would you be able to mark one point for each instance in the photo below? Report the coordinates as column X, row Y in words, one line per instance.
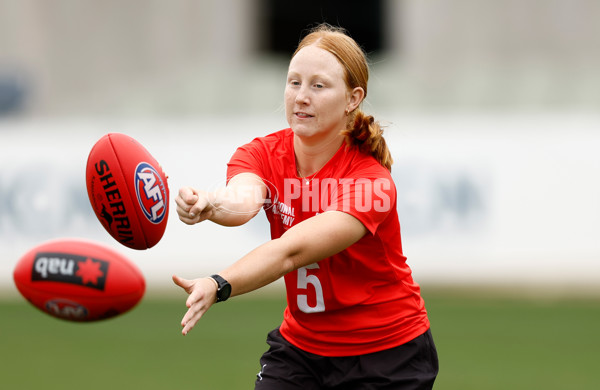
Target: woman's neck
column 311, row 157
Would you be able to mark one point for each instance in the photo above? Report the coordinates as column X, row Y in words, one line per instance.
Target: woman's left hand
column 202, row 294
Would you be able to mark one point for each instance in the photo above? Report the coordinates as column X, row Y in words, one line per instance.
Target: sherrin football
column 128, row 191
column 78, row 280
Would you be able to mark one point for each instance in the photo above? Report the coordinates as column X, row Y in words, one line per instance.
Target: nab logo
column 69, row 268
column 63, row 308
column 151, row 192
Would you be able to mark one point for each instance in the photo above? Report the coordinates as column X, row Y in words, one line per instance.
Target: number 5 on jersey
column 303, row 281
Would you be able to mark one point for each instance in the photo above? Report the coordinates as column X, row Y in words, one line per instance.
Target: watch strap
column 223, row 288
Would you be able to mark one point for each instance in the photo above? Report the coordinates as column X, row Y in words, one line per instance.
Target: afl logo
column 151, row 193
column 63, row 308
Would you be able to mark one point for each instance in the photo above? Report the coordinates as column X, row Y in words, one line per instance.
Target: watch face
column 225, row 292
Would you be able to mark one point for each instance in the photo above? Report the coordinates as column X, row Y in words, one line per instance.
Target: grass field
column 484, row 340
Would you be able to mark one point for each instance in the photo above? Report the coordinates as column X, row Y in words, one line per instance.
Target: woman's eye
column 294, row 82
column 318, row 85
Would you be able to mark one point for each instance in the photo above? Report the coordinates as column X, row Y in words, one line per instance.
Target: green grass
column 484, row 342
column 505, row 343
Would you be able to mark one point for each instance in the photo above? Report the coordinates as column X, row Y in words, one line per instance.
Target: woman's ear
column 355, row 97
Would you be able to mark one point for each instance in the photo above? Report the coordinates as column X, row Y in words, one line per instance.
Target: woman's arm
column 233, row 205
column 305, row 243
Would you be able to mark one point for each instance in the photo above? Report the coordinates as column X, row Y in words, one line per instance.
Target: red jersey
column 362, row 299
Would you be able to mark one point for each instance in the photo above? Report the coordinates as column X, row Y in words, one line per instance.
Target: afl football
column 128, row 191
column 78, row 280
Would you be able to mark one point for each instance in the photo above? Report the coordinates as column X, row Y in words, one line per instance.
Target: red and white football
column 78, row 280
column 128, row 191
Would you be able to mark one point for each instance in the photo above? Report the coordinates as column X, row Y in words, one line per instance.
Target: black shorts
column 413, row 365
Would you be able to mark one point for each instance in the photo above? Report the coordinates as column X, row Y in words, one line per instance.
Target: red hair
column 361, row 129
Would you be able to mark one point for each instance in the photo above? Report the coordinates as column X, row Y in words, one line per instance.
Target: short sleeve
column 247, row 159
column 369, row 199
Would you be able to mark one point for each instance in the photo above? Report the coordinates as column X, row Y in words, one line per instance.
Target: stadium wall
column 483, row 199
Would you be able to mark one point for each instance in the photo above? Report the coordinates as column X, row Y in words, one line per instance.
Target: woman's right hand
column 193, row 205
column 233, row 205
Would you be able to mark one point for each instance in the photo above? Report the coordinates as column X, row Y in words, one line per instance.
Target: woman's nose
column 302, row 95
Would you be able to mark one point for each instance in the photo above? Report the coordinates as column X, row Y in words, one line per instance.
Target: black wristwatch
column 223, row 289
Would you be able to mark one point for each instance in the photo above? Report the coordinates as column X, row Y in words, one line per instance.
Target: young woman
column 355, row 318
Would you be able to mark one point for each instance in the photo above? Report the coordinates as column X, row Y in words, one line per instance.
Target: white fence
column 482, row 199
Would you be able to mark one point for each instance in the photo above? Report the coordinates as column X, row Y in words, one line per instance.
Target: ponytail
column 367, row 134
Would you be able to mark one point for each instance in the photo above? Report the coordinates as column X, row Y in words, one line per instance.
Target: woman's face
column 316, row 95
